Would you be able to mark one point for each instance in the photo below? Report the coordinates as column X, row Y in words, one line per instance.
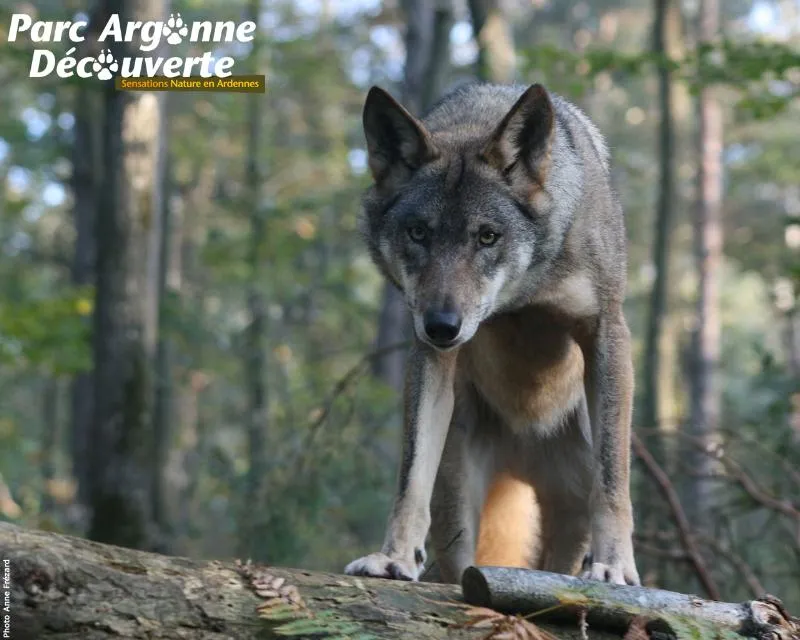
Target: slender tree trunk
column 393, row 327
column 496, row 58
column 427, row 59
column 439, row 65
column 705, row 376
column 792, row 342
column 255, row 348
column 655, row 373
column 663, row 226
column 194, row 435
column 50, row 437
column 166, row 279
column 121, row 439
column 86, row 173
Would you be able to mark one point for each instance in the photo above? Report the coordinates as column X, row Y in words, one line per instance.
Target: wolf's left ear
column 397, row 143
column 520, row 145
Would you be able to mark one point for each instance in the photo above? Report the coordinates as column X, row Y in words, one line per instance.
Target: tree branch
column 678, row 515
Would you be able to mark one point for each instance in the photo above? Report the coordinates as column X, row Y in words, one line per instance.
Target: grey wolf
column 495, row 216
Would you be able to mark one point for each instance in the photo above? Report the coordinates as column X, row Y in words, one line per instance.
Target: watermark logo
column 145, row 56
column 175, row 31
column 5, row 615
column 105, row 66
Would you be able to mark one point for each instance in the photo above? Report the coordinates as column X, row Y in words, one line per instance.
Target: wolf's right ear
column 397, row 143
column 520, row 145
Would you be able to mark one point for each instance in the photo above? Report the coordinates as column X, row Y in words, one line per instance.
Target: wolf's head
column 459, row 210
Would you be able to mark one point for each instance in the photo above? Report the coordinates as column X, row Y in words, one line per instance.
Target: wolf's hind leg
column 562, row 476
column 565, row 533
column 509, row 524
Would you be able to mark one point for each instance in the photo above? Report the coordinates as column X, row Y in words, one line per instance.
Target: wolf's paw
column 379, row 565
column 615, row 573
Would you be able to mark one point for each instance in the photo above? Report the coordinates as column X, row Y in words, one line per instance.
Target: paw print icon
column 105, row 65
column 175, row 30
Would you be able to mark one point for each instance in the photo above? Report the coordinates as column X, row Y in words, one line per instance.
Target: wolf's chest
column 528, row 368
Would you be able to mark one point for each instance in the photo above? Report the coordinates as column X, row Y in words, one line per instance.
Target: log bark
column 74, row 589
column 614, row 608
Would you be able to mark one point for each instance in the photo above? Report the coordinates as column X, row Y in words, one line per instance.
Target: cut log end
column 475, row 588
column 615, row 607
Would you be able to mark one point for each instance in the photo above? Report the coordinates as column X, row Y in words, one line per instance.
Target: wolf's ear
column 520, row 145
column 397, row 143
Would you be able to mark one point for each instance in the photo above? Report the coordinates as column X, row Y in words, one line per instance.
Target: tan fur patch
column 507, row 529
column 574, row 296
column 527, row 367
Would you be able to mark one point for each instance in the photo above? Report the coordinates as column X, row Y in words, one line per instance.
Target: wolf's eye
column 487, row 237
column 417, row 232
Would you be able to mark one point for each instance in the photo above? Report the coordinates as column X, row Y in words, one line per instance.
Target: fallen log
column 615, row 607
column 73, row 589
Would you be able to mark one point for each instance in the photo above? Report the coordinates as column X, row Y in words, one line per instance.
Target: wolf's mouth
column 440, row 345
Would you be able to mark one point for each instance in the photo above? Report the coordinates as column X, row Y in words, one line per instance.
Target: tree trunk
column 50, row 438
column 705, row 376
column 121, row 440
column 190, row 226
column 255, row 335
column 166, row 278
column 427, row 59
column 651, row 416
column 496, row 58
column 86, row 174
column 654, row 372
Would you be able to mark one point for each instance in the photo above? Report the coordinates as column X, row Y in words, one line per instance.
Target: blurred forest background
column 197, row 357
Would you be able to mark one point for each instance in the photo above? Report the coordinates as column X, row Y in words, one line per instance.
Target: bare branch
column 339, row 388
column 678, row 514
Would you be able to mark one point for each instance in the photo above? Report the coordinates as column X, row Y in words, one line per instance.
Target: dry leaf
column 503, row 627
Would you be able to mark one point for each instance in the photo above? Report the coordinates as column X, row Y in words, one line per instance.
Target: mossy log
column 615, row 607
column 73, row 589
column 69, row 588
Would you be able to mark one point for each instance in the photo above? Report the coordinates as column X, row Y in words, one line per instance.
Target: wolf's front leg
column 428, row 408
column 609, row 387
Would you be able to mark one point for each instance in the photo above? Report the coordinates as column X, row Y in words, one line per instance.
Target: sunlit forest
column 197, row 356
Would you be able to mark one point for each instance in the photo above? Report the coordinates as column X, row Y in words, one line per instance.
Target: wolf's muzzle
column 441, row 327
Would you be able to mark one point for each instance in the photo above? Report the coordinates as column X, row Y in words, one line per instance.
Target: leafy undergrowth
column 283, row 605
column 504, row 627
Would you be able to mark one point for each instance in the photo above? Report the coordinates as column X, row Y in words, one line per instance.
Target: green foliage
column 51, row 333
column 765, row 74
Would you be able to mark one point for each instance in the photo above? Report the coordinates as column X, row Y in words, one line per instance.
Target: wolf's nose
column 442, row 327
